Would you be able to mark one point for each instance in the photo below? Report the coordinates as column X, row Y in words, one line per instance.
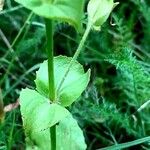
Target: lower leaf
column 68, row 137
column 37, row 112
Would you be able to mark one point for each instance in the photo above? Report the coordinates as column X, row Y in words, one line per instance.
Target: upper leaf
column 64, row 10
column 74, row 84
column 99, row 11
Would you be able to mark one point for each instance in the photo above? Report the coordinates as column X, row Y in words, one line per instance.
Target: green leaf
column 74, row 84
column 69, row 136
column 37, row 112
column 64, row 10
column 99, row 11
column 38, row 140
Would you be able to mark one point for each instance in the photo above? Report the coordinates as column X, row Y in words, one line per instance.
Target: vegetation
column 113, row 111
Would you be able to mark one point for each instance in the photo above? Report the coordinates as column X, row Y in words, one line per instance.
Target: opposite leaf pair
column 39, row 114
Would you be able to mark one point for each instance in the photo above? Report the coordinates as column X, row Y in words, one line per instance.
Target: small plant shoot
column 60, row 80
column 99, row 11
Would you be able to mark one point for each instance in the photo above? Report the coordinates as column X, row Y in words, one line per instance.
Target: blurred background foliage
column 115, row 106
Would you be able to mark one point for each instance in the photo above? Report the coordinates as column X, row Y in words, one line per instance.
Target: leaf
column 64, row 10
column 99, row 11
column 39, row 140
column 74, row 84
column 69, row 136
column 74, row 139
column 37, row 112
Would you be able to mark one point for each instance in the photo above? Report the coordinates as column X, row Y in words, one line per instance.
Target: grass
column 114, row 109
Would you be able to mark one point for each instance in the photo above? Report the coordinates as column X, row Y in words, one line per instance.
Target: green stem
column 10, row 138
column 49, row 46
column 53, row 137
column 49, row 34
column 1, row 108
column 82, row 42
column 21, row 30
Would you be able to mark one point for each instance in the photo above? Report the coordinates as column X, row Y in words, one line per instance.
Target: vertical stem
column 10, row 138
column 1, row 107
column 53, row 137
column 1, row 100
column 49, row 46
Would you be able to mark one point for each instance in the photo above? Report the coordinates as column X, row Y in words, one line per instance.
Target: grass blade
column 127, row 144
